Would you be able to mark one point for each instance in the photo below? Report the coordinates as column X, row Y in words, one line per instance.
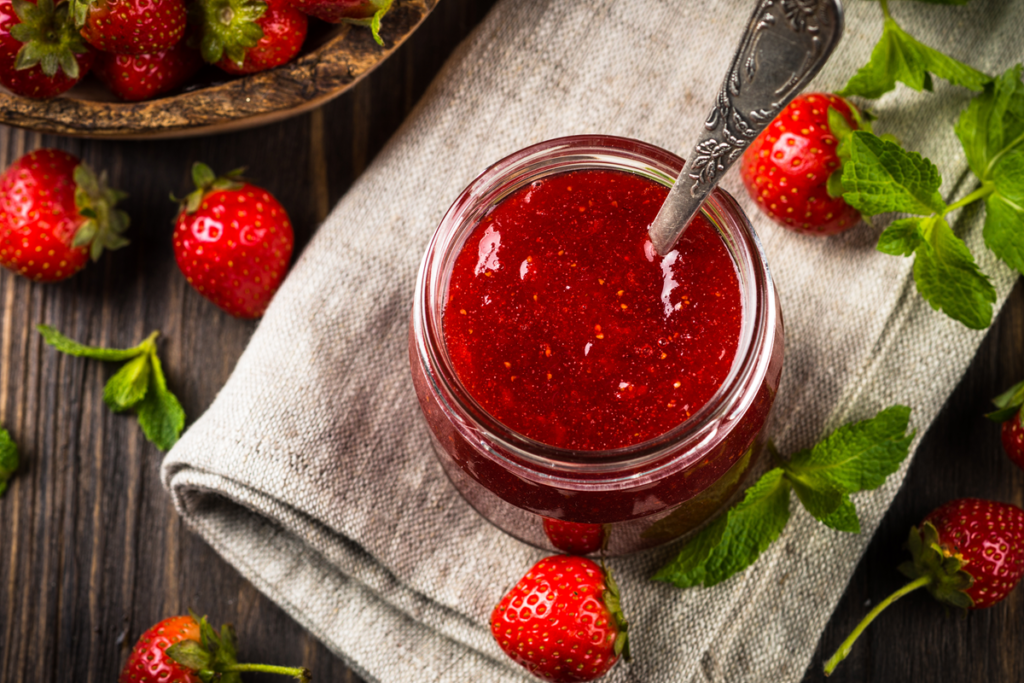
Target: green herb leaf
column 902, row 237
column 1007, row 403
column 821, row 499
column 898, row 56
column 993, row 123
column 128, row 385
column 858, row 456
column 736, row 539
column 73, row 348
column 844, row 518
column 160, row 414
column 1004, row 211
column 9, row 460
column 882, row 177
column 949, row 279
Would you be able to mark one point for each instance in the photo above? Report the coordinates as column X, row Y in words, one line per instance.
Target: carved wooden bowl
column 333, row 59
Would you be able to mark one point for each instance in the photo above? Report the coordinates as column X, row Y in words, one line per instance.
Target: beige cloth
column 312, row 472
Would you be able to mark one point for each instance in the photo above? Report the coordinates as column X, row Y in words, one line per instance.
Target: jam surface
column 565, row 325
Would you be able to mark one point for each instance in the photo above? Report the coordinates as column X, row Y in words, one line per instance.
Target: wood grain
column 332, row 65
column 91, row 550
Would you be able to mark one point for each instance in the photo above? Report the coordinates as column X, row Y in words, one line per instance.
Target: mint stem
column 299, row 673
column 844, row 649
column 885, row 8
column 985, row 190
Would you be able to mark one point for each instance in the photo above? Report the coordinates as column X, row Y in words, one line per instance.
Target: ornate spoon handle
column 784, row 46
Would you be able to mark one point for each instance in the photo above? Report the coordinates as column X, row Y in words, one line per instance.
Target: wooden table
column 91, row 549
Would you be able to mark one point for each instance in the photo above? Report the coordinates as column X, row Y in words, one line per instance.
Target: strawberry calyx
column 1008, row 404
column 613, row 602
column 228, row 27
column 104, row 224
column 50, row 38
column 214, row 658
column 382, row 7
column 206, row 181
column 932, row 566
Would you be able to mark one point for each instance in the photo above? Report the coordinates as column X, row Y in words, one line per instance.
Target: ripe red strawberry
column 255, row 36
column 787, row 167
column 1010, row 412
column 575, row 538
column 142, row 77
column 969, row 553
column 41, row 53
column 54, row 214
column 358, row 12
column 232, row 241
column 562, row 621
column 187, row 650
column 131, row 27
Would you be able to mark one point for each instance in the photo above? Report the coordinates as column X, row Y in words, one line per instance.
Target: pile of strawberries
column 144, row 48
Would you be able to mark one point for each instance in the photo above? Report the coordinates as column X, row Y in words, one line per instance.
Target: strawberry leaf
column 128, row 385
column 190, row 654
column 882, row 177
column 160, row 414
column 734, row 541
column 899, row 57
column 1007, row 403
column 8, row 459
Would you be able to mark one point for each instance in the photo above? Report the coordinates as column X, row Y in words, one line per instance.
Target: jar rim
column 663, row 454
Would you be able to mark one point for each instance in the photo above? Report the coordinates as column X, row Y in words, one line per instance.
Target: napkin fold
column 312, row 472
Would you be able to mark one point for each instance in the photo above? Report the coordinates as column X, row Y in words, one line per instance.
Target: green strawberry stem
column 298, row 673
column 844, row 648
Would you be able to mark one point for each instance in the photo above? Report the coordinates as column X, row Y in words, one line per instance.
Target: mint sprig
column 9, row 460
column 139, row 385
column 879, row 177
column 855, row 457
column 899, row 57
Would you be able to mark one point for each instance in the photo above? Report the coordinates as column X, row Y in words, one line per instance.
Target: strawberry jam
column 572, row 378
column 566, row 326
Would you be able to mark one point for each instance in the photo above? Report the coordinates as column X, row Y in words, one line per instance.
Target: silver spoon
column 785, row 45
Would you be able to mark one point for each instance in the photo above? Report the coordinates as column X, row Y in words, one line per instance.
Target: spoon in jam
column 785, row 45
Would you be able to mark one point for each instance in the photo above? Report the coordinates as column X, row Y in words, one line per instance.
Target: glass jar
column 619, row 500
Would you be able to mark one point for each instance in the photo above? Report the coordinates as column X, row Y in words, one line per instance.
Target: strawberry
column 969, row 553
column 187, row 650
column 575, row 538
column 41, row 53
column 232, row 241
column 130, row 27
column 143, row 77
column 246, row 36
column 358, row 12
column 54, row 214
column 1010, row 413
column 787, row 169
column 563, row 620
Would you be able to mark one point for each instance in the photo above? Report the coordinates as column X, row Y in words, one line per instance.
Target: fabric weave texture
column 313, row 474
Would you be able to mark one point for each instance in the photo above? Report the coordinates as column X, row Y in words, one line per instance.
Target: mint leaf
column 843, row 519
column 1004, row 214
column 858, row 456
column 902, row 237
column 882, row 177
column 949, row 279
column 736, row 539
column 821, row 500
column 8, row 459
column 128, row 385
column 899, row 57
column 993, row 122
column 73, row 348
column 160, row 414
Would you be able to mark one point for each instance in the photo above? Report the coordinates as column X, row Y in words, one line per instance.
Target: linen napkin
column 313, row 474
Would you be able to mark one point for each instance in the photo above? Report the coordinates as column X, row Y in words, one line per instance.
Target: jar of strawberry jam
column 583, row 392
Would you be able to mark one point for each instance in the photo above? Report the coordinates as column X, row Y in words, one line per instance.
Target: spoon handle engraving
column 785, row 45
